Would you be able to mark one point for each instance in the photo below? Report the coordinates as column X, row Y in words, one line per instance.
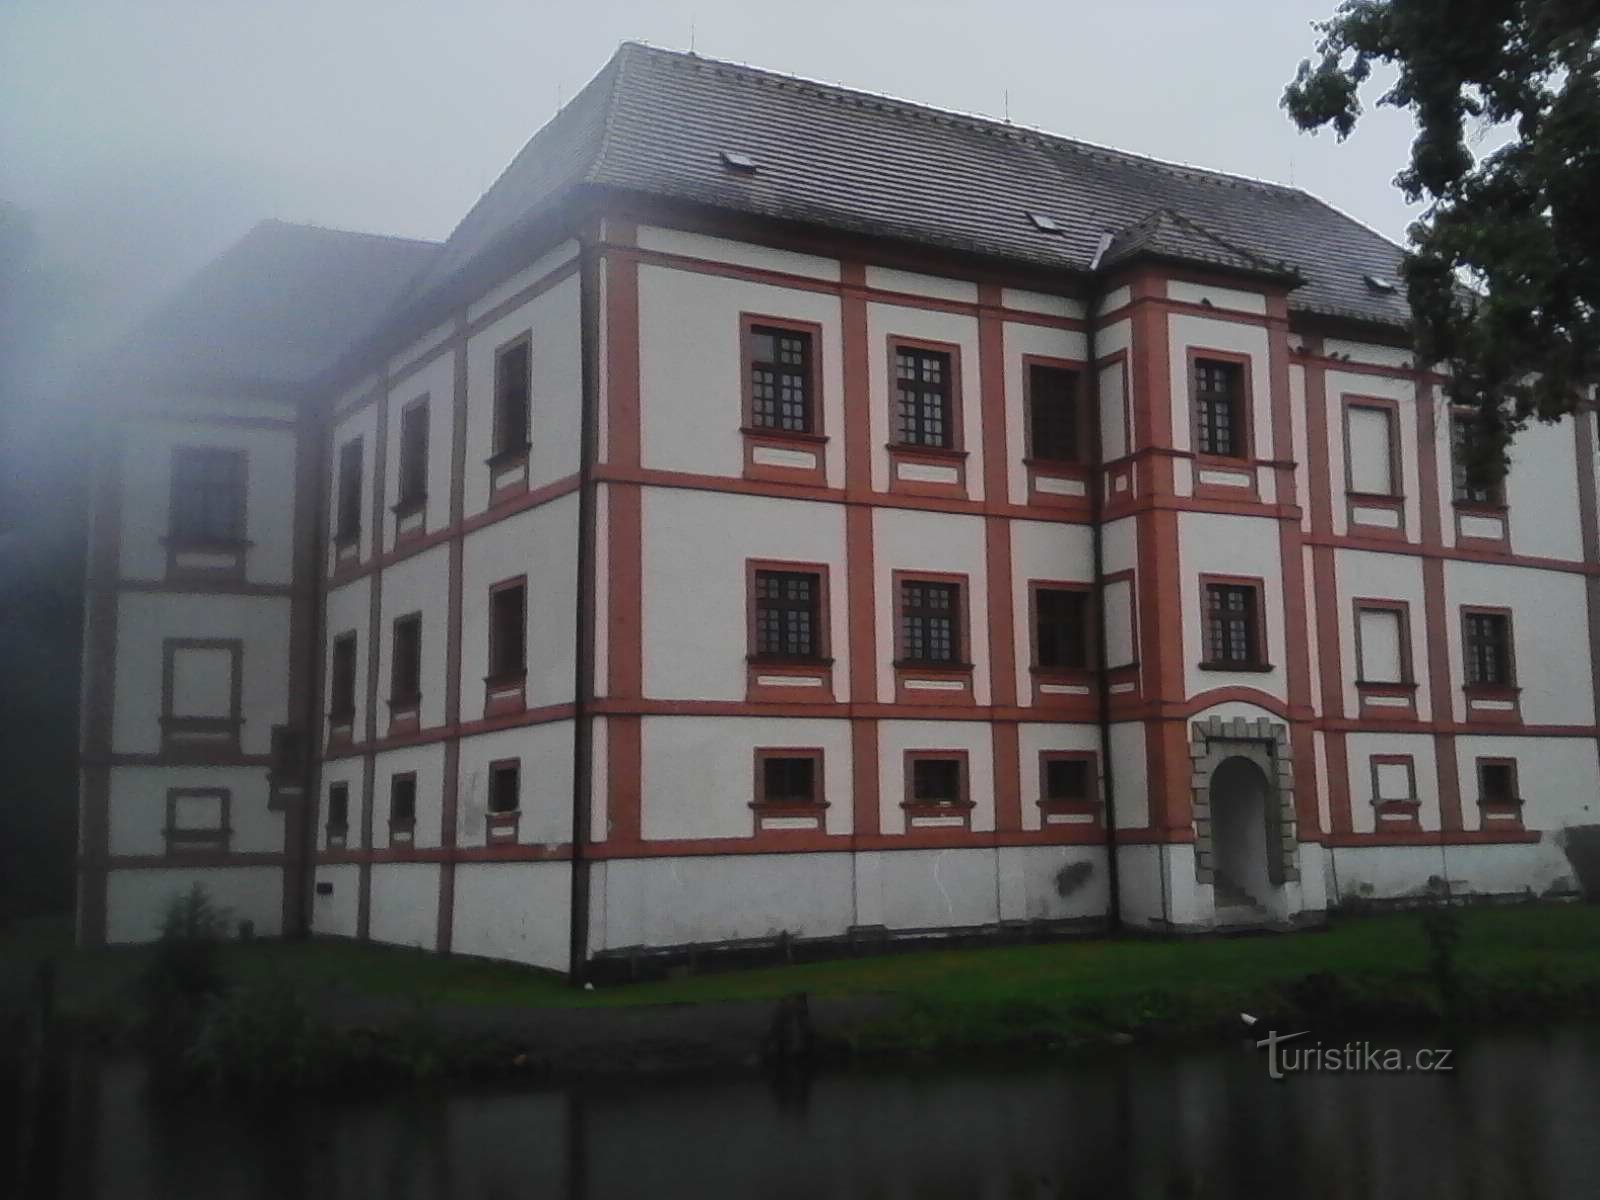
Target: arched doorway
column 1242, row 806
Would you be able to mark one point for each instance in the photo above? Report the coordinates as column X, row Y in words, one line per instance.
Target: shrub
column 185, row 969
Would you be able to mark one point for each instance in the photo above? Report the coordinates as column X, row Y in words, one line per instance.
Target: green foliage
column 1515, row 223
column 1442, row 927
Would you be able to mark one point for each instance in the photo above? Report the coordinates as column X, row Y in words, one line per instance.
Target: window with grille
column 930, row 622
column 1487, row 645
column 508, row 613
column 1232, row 630
column 405, row 681
column 1497, row 782
column 780, row 379
column 338, row 808
column 512, row 387
column 788, row 624
column 1067, row 779
column 207, row 494
column 403, row 800
column 1218, row 396
column 505, row 787
column 349, row 512
column 342, row 678
column 1061, row 628
column 923, row 414
column 414, row 453
column 1467, row 475
column 787, row 779
column 1053, row 414
column 936, row 780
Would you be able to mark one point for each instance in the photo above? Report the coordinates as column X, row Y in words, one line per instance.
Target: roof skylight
column 1379, row 284
column 1045, row 224
column 739, row 161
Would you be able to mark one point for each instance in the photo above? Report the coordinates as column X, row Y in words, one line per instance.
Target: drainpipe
column 1097, row 495
column 583, row 670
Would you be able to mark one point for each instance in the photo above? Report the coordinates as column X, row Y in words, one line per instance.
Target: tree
column 1503, row 272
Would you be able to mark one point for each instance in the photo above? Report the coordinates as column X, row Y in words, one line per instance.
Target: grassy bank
column 1373, row 972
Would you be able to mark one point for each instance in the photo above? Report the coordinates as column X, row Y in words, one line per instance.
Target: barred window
column 349, row 523
column 338, row 808
column 413, row 453
column 207, row 494
column 1466, row 478
column 787, row 614
column 512, row 388
column 508, row 619
column 505, row 787
column 1488, row 648
column 780, row 379
column 936, row 780
column 1066, row 779
column 342, row 678
column 1061, row 628
column 403, row 800
column 1232, row 635
column 923, row 414
column 930, row 622
column 405, row 676
column 788, row 780
column 1218, row 388
column 1053, row 413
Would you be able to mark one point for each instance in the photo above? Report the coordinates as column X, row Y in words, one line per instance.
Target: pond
column 1516, row 1117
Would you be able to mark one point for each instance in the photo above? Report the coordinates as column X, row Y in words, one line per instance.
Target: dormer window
column 735, row 160
column 1045, row 224
column 1379, row 284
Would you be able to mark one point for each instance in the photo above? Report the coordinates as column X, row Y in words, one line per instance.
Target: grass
column 1545, row 955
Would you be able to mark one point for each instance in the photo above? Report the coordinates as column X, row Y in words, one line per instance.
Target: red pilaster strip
column 1440, row 699
column 861, row 589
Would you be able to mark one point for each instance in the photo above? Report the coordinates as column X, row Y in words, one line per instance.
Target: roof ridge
column 977, row 122
column 624, row 55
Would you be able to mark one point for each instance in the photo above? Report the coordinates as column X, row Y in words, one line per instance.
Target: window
column 1486, row 643
column 338, row 813
column 507, row 628
column 936, row 780
column 342, row 680
column 414, row 453
column 1232, row 626
column 788, row 618
column 1467, row 484
column 197, row 819
column 1053, row 414
column 1497, row 781
column 1061, row 628
column 405, row 675
column 924, row 414
column 512, row 387
column 1383, row 650
column 780, row 379
column 505, row 786
column 1372, row 465
column 348, row 528
column 788, row 778
column 1394, row 779
column 207, row 495
column 930, row 630
column 403, row 801
column 1068, row 780
column 201, row 695
column 1218, row 400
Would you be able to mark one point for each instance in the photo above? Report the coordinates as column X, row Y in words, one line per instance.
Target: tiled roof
column 277, row 308
column 658, row 122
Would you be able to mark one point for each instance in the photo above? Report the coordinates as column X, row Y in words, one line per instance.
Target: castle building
column 783, row 510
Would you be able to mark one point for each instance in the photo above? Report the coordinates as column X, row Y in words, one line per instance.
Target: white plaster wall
column 138, row 807
column 1549, row 632
column 145, row 448
column 405, row 904
column 1359, row 749
column 1558, row 778
column 1399, row 872
column 938, row 889
column 1113, row 394
column 428, row 763
column 436, row 382
column 420, row 583
column 741, row 254
column 350, row 772
column 334, row 914
column 698, row 773
column 896, row 737
column 552, row 318
column 556, row 256
column 1046, row 883
column 347, row 609
column 1372, row 576
column 1041, row 302
column 912, row 540
column 1042, row 550
column 1216, row 297
column 543, row 544
column 1114, row 299
column 1159, row 889
column 1367, row 352
column 1019, row 339
column 546, row 780
column 1299, row 406
column 136, row 900
column 938, row 287
column 1130, row 775
column 516, row 911
column 1032, row 740
column 420, row 348
column 1185, row 331
column 145, row 620
column 1342, row 384
column 890, row 320
column 1542, row 492
column 1119, row 545
column 362, row 424
column 1210, row 543
column 692, row 385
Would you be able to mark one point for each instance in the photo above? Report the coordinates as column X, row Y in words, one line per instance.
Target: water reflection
column 1516, row 1119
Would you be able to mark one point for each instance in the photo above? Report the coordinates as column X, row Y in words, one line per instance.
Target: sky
column 144, row 136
